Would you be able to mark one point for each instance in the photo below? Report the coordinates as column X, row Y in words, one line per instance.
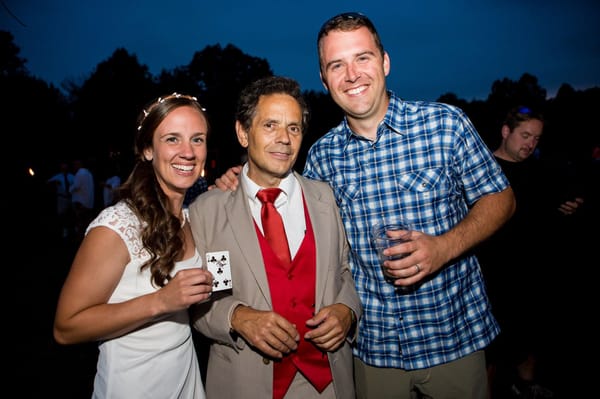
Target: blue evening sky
column 436, row 46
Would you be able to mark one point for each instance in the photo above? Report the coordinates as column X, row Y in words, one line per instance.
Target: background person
column 137, row 270
column 60, row 185
column 82, row 194
column 111, row 184
column 515, row 262
column 285, row 329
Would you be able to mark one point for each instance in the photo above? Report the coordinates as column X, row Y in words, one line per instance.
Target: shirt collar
column 390, row 120
column 288, row 186
column 395, row 107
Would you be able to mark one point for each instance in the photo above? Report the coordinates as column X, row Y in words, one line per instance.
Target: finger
column 289, row 329
column 289, row 335
column 320, row 334
column 195, row 276
column 203, row 298
column 317, row 319
column 274, row 346
column 329, row 342
column 266, row 348
column 283, row 342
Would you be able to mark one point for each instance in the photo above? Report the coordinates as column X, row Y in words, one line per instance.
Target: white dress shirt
column 289, row 204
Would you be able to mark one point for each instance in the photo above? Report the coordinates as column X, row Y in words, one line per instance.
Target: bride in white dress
column 137, row 271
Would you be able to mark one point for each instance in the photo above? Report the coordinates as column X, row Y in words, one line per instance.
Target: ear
column 386, row 63
column 148, row 154
column 505, row 131
column 242, row 135
column 323, row 81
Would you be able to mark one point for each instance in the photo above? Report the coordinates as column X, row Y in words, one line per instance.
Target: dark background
column 95, row 121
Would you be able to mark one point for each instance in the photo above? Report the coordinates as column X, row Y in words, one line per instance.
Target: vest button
column 265, row 360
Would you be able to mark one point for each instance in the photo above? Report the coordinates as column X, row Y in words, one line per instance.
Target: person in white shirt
column 60, row 185
column 82, row 195
column 109, row 189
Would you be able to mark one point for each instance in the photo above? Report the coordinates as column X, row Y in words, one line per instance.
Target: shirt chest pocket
column 428, row 195
column 422, row 181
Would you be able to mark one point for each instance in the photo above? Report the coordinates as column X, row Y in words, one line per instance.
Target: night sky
column 436, row 46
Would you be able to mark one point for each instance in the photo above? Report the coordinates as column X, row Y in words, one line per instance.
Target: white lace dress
column 158, row 360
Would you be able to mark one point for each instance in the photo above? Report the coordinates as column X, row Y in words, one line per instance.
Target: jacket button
column 265, row 360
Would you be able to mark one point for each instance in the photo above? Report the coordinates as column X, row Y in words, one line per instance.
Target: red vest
column 292, row 290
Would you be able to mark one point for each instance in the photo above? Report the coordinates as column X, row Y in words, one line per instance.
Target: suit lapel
column 320, row 221
column 240, row 218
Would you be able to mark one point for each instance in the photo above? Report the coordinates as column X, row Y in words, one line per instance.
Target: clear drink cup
column 382, row 240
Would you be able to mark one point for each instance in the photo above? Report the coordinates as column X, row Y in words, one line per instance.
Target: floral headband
column 161, row 100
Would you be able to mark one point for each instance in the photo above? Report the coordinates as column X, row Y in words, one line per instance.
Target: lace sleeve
column 123, row 221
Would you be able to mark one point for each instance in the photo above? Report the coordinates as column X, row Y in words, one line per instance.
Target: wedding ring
column 418, row 268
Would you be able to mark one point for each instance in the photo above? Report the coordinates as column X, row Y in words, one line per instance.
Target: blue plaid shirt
column 428, row 164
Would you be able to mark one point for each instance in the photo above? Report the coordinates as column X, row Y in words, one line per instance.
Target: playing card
column 218, row 265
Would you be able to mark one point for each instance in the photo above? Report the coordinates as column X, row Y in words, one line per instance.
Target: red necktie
column 273, row 224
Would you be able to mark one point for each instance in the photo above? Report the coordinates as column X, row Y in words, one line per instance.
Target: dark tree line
column 95, row 118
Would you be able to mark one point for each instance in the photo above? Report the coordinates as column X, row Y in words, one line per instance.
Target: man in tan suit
column 286, row 327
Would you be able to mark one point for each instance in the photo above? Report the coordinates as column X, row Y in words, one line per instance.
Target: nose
column 352, row 73
column 282, row 136
column 531, row 143
column 186, row 150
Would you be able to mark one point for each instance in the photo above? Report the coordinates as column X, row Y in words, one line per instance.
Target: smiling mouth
column 184, row 168
column 357, row 90
column 281, row 156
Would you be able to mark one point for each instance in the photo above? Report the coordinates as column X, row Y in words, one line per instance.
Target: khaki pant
column 465, row 378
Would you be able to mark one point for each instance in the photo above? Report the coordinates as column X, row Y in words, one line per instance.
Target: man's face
column 274, row 139
column 522, row 141
column 354, row 71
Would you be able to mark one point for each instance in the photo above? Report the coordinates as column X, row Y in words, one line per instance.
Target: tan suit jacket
column 222, row 221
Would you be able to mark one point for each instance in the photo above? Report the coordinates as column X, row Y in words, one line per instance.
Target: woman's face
column 179, row 151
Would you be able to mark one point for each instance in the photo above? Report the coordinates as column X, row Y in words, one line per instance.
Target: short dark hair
column 348, row 21
column 520, row 114
column 250, row 95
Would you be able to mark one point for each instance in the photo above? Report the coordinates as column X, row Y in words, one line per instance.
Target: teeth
column 357, row 90
column 185, row 168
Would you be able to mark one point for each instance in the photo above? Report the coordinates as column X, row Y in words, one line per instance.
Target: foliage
column 106, row 105
column 96, row 119
column 35, row 115
column 10, row 62
column 222, row 73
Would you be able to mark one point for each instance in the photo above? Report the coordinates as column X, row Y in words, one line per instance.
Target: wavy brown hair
column 142, row 192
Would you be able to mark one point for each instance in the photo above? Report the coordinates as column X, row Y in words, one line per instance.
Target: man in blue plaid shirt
column 423, row 334
column 423, row 162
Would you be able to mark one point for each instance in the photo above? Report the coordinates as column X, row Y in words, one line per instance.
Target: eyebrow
column 365, row 52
